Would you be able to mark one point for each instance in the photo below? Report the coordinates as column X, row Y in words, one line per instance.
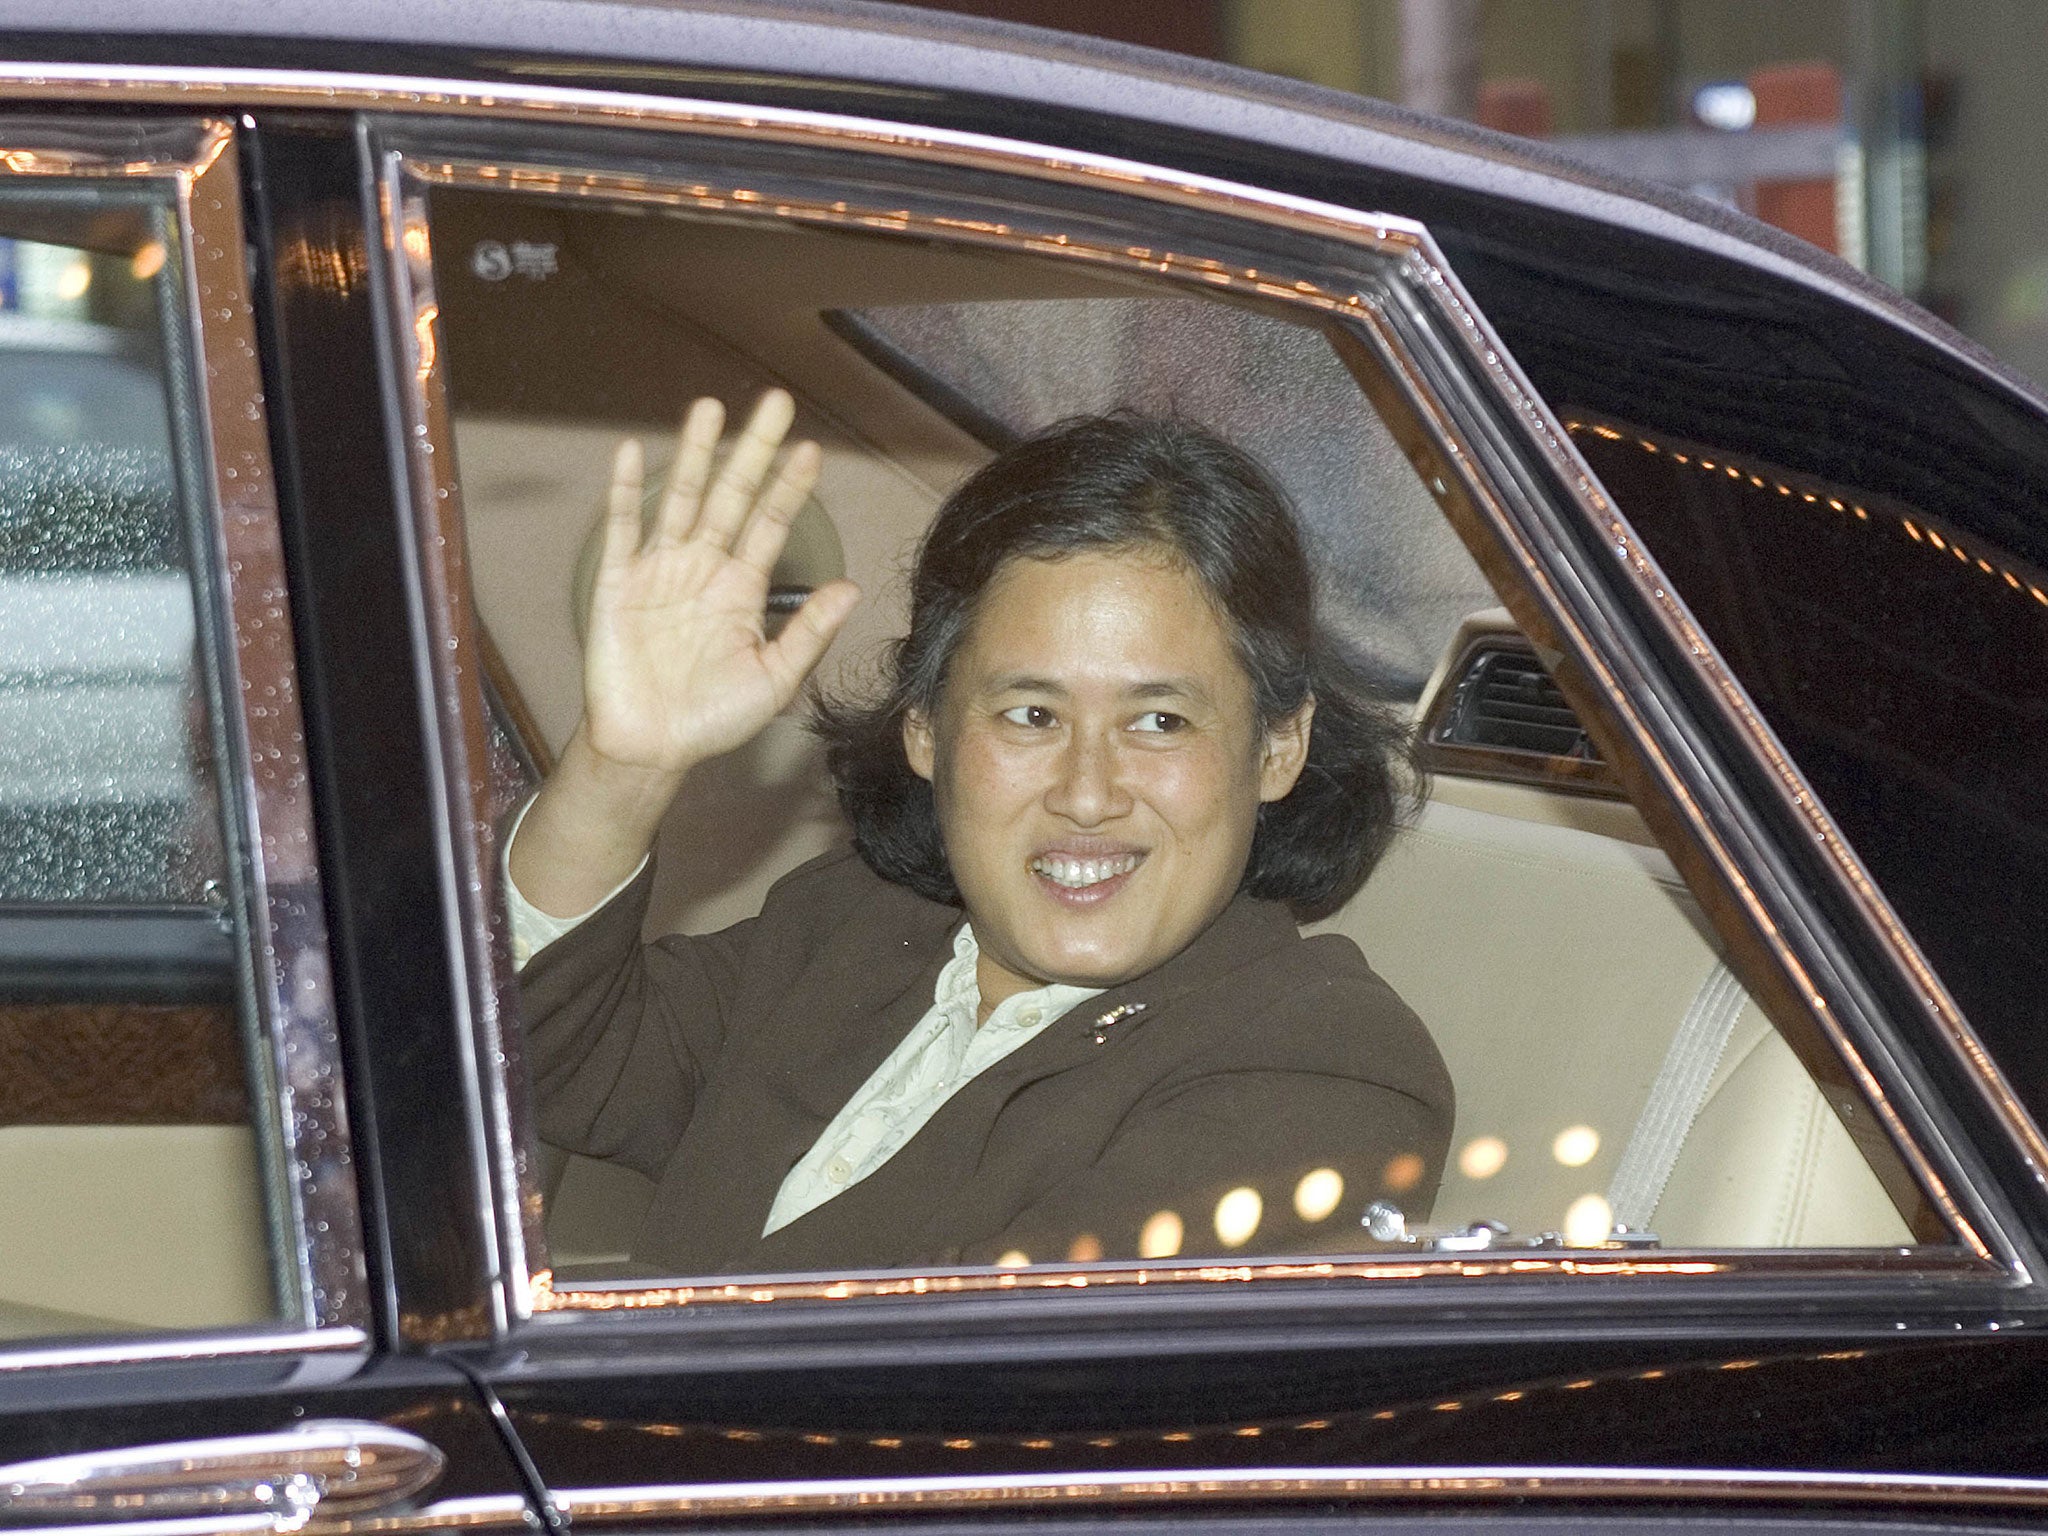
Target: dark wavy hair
column 1134, row 482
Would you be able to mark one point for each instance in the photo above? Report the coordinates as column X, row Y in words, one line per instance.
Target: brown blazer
column 712, row 1064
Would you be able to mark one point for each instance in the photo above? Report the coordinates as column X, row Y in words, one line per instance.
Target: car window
column 110, row 798
column 1618, row 1085
column 140, row 1151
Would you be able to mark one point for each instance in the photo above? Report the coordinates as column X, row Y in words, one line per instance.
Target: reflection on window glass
column 1903, row 658
column 1393, row 580
column 1908, row 682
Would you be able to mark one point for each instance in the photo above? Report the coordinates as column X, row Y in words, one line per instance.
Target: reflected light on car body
column 1482, row 1157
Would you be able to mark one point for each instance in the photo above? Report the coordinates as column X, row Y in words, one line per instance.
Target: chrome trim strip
column 314, row 1186
column 484, row 1512
column 1138, row 1488
column 865, row 1496
column 626, row 1296
column 158, row 1349
column 195, row 1525
column 1429, row 289
column 1171, row 1490
column 457, row 730
column 289, row 1476
column 480, row 1512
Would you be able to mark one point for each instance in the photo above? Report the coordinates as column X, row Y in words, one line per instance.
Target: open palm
column 677, row 665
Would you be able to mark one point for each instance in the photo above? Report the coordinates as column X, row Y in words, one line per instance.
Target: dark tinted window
column 1900, row 653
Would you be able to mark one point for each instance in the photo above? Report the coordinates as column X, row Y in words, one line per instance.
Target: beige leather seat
column 1768, row 1164
column 1553, row 965
column 130, row 1226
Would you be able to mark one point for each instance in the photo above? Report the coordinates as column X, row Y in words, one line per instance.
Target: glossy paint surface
column 1894, row 1408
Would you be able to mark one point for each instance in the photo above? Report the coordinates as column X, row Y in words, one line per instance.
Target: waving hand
column 677, row 664
column 677, row 667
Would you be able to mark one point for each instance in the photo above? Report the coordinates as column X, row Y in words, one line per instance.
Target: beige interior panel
column 1553, row 966
column 1617, row 819
column 594, row 1208
column 18, row 1320
column 157, row 1226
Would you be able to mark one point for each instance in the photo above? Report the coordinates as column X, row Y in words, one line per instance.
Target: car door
column 193, row 1328
column 561, row 280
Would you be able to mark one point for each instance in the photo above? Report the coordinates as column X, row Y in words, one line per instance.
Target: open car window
column 1635, row 1074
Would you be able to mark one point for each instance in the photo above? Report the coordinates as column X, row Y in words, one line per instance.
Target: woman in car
column 1053, row 1004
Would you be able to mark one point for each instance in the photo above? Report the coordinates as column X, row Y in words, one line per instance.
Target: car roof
column 861, row 42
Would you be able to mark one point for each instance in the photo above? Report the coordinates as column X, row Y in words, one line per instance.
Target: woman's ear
column 1286, row 753
column 919, row 746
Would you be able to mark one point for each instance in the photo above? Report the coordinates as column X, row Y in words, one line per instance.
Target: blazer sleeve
column 620, row 1034
column 1274, row 1149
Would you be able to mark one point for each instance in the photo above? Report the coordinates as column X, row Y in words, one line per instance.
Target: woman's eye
column 1158, row 720
column 1036, row 716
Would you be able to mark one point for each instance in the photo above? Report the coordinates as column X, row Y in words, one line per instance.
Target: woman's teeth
column 1075, row 874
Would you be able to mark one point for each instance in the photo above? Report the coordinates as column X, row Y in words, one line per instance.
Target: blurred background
column 1909, row 136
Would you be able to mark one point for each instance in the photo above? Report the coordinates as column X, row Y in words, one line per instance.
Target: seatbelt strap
column 1675, row 1099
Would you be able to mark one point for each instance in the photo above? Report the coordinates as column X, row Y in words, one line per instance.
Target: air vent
column 1507, row 718
column 1507, row 700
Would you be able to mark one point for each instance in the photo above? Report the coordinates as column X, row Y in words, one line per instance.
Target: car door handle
column 327, row 1468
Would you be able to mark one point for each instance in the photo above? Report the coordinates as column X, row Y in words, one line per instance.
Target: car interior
column 1609, row 1067
column 1615, row 1079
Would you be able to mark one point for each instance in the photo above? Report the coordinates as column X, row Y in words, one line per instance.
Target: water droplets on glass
column 1394, row 581
column 105, row 771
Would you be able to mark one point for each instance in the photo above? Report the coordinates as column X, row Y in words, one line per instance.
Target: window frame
column 1505, row 472
column 313, row 1218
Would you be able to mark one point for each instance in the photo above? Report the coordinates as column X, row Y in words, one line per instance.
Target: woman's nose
column 1088, row 785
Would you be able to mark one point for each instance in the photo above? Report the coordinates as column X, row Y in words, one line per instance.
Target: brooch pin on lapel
column 1115, row 1015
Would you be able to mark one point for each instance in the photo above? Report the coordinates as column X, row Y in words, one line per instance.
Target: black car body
column 1776, row 536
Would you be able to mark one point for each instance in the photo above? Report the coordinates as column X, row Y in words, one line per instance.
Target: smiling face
column 1097, row 764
